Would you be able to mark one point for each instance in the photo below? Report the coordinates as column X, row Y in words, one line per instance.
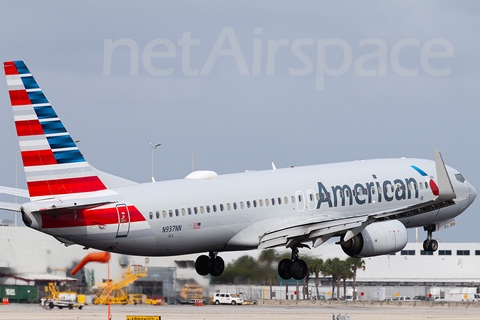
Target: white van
column 227, row 298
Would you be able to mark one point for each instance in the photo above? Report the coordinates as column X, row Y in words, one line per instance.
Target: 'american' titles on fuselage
column 364, row 193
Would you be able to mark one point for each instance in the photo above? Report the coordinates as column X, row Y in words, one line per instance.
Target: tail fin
column 51, row 159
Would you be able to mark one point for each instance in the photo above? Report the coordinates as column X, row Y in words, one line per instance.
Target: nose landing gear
column 430, row 245
column 292, row 268
column 211, row 264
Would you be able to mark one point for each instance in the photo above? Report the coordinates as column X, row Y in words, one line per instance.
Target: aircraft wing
column 15, row 192
column 320, row 229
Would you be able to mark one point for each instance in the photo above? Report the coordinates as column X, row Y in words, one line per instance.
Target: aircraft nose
column 472, row 191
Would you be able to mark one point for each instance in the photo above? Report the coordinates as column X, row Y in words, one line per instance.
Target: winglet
column 445, row 189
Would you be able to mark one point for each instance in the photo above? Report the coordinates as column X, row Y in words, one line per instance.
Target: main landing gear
column 430, row 245
column 210, row 264
column 294, row 268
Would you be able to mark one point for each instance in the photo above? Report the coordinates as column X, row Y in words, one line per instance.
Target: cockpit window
column 460, row 178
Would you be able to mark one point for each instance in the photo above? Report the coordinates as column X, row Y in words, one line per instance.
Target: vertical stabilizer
column 52, row 161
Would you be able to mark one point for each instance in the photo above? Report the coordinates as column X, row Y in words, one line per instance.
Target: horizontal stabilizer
column 10, row 206
column 61, row 211
column 15, row 192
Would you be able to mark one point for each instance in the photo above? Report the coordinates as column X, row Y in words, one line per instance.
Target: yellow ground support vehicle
column 118, row 291
column 60, row 299
column 191, row 293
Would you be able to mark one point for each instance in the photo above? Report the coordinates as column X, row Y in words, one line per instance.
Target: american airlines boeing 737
column 366, row 205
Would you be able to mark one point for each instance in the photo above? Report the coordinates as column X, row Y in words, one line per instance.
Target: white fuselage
column 232, row 212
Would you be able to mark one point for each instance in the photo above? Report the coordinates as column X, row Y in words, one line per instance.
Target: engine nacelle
column 376, row 239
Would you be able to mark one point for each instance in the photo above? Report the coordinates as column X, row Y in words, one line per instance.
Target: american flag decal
column 197, row 225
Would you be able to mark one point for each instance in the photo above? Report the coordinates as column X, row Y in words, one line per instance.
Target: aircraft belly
column 189, row 240
column 139, row 240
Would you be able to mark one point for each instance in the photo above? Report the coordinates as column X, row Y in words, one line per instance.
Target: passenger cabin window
column 242, row 205
column 195, row 210
column 266, row 202
column 260, row 203
column 235, row 205
column 293, row 199
column 183, row 211
column 164, row 213
column 248, row 204
column 285, row 200
column 189, row 210
column 273, row 201
column 176, row 212
column 202, row 210
column 300, row 198
column 254, row 203
column 150, row 214
column 214, row 207
column 229, row 207
column 170, row 213
column 208, row 209
column 221, row 207
column 157, row 214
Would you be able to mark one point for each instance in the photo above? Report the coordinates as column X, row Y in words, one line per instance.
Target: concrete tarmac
column 227, row 312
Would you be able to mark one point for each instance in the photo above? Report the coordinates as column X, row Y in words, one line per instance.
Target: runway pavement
column 227, row 312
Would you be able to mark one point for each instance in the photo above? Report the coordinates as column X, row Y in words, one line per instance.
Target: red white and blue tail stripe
column 52, row 161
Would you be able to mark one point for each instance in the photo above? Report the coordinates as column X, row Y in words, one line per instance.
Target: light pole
column 192, row 157
column 154, row 146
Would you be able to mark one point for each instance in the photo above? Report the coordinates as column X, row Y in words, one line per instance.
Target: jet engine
column 376, row 239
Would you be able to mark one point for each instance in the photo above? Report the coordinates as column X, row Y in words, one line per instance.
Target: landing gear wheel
column 426, row 244
column 284, row 268
column 201, row 265
column 298, row 269
column 433, row 245
column 216, row 266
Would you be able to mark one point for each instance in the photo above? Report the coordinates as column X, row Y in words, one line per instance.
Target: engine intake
column 376, row 239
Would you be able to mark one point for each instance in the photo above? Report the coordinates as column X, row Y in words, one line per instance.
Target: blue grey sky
column 296, row 83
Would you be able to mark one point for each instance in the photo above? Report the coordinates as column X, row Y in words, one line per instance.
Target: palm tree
column 316, row 265
column 355, row 264
column 267, row 258
column 334, row 268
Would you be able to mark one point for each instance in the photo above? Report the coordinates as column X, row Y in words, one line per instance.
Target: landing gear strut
column 430, row 245
column 210, row 264
column 292, row 268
